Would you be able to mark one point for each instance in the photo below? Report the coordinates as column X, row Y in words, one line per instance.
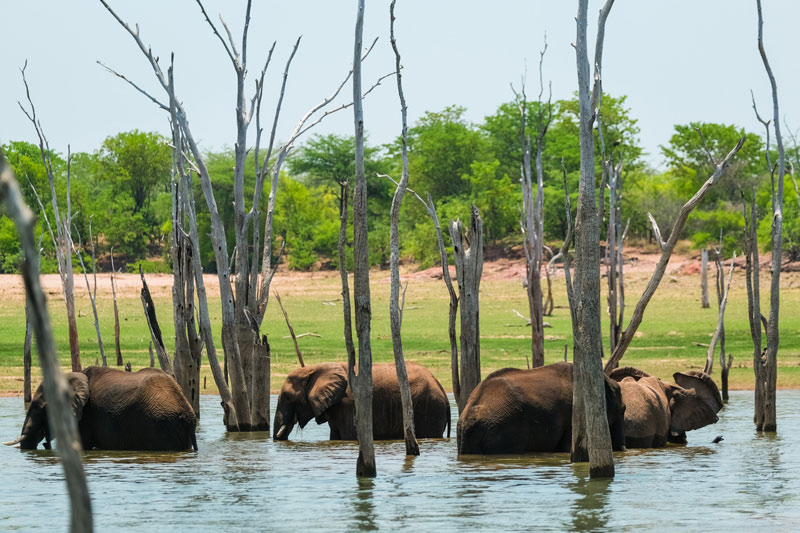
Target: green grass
column 673, row 321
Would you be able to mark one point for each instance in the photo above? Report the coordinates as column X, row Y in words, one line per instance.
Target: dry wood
column 532, row 214
column 291, row 329
column 395, row 313
column 62, row 238
column 116, row 311
column 766, row 420
column 468, row 258
column 704, row 279
column 722, row 301
column 92, row 291
column 26, row 350
column 667, row 248
column 591, row 439
column 152, row 355
column 59, row 411
column 152, row 324
column 362, row 387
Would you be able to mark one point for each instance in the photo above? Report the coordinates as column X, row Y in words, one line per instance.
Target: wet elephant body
column 321, row 392
column 118, row 410
column 658, row 412
column 520, row 411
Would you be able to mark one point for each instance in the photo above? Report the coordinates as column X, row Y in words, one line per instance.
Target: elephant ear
column 618, row 374
column 694, row 401
column 703, row 385
column 80, row 392
column 327, row 388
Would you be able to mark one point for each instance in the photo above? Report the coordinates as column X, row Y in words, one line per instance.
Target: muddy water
column 239, row 482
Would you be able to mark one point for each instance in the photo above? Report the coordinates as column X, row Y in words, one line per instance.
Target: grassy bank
column 664, row 344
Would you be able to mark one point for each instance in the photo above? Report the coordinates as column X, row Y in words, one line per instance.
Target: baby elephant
column 321, row 392
column 116, row 410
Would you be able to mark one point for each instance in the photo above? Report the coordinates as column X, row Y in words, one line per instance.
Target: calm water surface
column 240, row 482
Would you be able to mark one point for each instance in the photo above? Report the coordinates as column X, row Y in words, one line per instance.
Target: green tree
column 137, row 163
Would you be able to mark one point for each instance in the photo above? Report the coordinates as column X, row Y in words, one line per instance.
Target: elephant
column 321, row 392
column 116, row 410
column 519, row 411
column 658, row 412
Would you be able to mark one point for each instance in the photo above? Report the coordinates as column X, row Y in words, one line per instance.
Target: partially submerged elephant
column 116, row 410
column 658, row 412
column 321, row 392
column 519, row 411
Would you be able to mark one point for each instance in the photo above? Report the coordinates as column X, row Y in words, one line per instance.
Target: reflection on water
column 245, row 482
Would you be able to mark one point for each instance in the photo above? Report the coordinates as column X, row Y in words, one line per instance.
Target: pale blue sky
column 677, row 61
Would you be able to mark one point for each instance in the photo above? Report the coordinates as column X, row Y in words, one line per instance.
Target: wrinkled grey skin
column 118, row 410
column 521, row 411
column 320, row 392
column 658, row 412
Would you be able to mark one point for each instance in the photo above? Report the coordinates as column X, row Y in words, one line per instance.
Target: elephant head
column 694, row 401
column 615, row 411
column 658, row 411
column 35, row 428
column 307, row 393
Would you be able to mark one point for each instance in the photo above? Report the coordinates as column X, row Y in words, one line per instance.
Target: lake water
column 247, row 482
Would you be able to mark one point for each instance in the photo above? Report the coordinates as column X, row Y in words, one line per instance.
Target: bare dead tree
column 615, row 237
column 753, row 285
column 116, row 311
column 719, row 332
column 395, row 314
column 666, row 252
column 532, row 212
column 362, row 384
column 26, row 350
column 91, row 290
column 239, row 338
column 766, row 385
column 591, row 439
column 62, row 238
column 468, row 258
column 704, row 279
column 59, row 412
column 460, row 396
column 149, row 308
column 291, row 329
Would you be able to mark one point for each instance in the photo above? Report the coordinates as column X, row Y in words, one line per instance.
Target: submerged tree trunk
column 591, row 439
column 59, row 413
column 409, row 435
column 362, row 388
column 768, row 415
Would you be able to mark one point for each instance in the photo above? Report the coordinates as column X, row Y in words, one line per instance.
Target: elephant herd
column 512, row 411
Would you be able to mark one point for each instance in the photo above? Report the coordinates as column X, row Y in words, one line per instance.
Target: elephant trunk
column 32, row 433
column 283, row 424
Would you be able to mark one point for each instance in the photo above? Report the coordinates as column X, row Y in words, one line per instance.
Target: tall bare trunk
column 117, row 348
column 59, row 412
column 591, row 439
column 704, row 279
column 395, row 318
column 362, row 388
column 468, row 257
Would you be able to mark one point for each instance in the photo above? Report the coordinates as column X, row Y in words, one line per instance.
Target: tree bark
column 362, row 388
column 155, row 330
column 704, row 279
column 59, row 412
column 116, row 312
column 468, row 257
column 591, row 439
column 769, row 416
column 395, row 319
